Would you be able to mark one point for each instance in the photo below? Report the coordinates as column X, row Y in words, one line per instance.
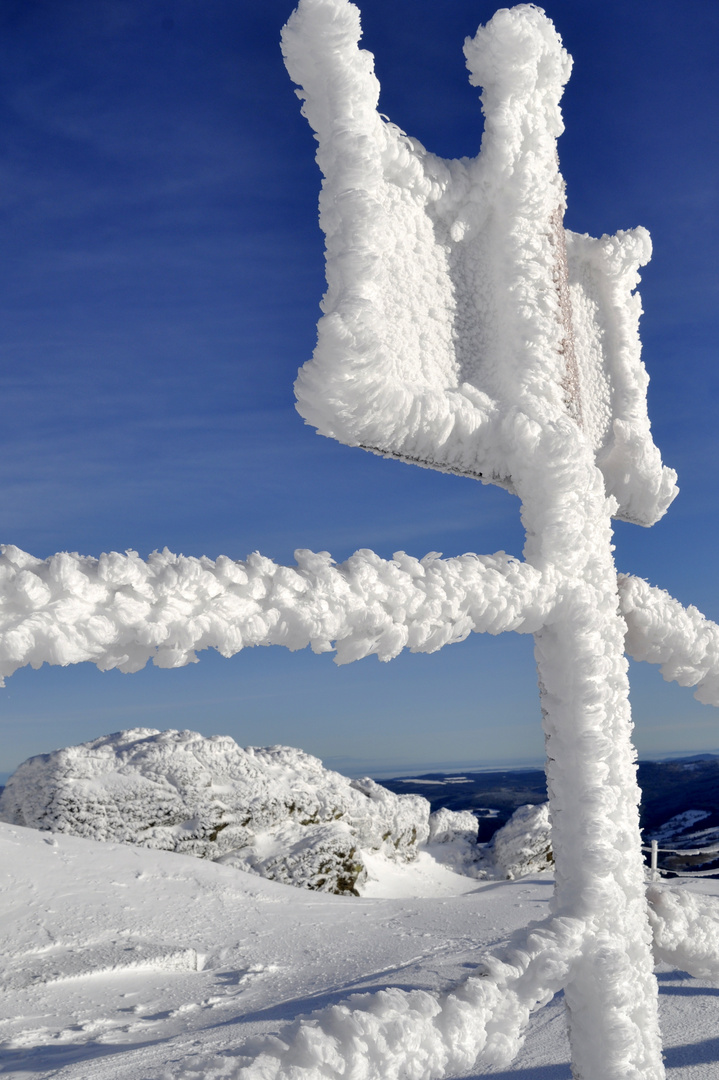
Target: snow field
column 72, row 911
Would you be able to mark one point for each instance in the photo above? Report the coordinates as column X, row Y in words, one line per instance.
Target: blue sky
column 159, row 286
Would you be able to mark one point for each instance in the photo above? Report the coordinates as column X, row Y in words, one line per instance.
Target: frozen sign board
column 456, row 299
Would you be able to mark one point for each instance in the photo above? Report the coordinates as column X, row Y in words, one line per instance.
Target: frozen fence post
column 654, row 860
column 464, row 330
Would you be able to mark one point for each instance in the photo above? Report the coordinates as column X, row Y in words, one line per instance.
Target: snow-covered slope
column 122, row 963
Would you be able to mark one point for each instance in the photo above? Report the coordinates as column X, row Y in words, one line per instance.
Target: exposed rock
column 276, row 811
column 523, row 846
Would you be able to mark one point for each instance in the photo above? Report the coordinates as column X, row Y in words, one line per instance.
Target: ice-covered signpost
column 464, row 330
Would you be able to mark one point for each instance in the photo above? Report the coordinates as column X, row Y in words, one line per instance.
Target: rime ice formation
column 463, row 330
column 275, row 812
column 456, row 303
column 686, row 930
column 662, row 631
column 119, row 612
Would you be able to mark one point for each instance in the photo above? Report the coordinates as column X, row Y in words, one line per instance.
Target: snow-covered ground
column 133, row 964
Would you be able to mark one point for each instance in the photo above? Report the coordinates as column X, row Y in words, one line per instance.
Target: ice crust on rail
column 662, row 631
column 119, row 611
column 685, row 928
column 456, row 302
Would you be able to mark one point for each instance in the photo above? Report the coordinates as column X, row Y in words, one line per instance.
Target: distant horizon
column 355, row 768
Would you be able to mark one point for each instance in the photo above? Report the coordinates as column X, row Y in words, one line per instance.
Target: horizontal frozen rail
column 120, row 611
column 662, row 631
column 688, row 873
column 657, row 870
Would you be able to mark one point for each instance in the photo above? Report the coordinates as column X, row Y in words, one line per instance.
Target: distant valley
column 683, row 792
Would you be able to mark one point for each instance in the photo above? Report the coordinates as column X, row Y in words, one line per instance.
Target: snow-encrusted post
column 611, row 995
column 464, row 330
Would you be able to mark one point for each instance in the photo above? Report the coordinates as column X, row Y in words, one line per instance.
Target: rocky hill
column 274, row 811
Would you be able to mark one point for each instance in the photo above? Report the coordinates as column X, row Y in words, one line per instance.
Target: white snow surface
column 459, row 313
column 124, row 963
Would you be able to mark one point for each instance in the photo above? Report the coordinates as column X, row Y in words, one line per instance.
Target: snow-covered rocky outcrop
column 523, row 846
column 276, row 812
column 453, row 842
